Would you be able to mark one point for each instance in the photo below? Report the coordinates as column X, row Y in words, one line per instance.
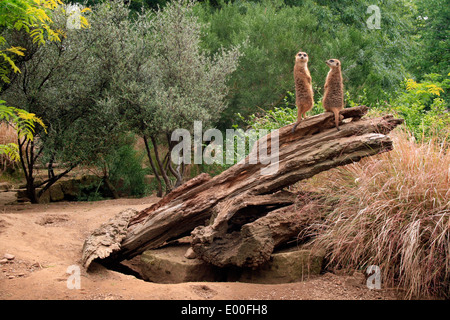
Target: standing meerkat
column 304, row 99
column 333, row 96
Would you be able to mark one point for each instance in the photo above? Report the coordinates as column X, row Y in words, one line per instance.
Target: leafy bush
column 125, row 169
column 278, row 116
column 424, row 106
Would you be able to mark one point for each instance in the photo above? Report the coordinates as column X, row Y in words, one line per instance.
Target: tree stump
column 239, row 216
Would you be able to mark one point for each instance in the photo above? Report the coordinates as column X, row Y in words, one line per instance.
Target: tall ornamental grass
column 393, row 212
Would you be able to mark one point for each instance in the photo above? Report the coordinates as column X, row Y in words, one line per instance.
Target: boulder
column 168, row 265
column 70, row 188
column 21, row 195
column 5, row 186
column 285, row 266
column 88, row 181
column 45, row 197
column 56, row 193
column 37, row 182
column 8, row 198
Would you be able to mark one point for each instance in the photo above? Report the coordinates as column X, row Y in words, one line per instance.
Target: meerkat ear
column 337, row 63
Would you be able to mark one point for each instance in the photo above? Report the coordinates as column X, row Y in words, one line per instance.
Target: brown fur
column 304, row 98
column 333, row 97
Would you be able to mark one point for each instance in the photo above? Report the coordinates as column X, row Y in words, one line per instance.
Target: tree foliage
column 64, row 82
column 371, row 58
column 432, row 23
column 169, row 81
column 34, row 17
column 424, row 107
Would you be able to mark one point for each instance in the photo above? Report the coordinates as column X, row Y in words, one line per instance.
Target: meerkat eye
column 331, row 60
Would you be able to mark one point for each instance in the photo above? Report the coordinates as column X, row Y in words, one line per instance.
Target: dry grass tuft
column 393, row 212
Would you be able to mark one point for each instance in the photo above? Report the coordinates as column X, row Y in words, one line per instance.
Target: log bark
column 107, row 238
column 230, row 206
column 254, row 242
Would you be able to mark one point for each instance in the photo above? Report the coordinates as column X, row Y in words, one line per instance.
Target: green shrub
column 125, row 169
column 424, row 106
column 278, row 116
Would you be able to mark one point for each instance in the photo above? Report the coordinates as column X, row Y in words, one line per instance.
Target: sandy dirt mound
column 46, row 241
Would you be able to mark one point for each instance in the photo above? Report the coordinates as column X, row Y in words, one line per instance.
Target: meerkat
column 333, row 96
column 304, row 99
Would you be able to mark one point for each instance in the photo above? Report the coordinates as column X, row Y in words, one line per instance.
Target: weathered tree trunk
column 235, row 214
column 250, row 244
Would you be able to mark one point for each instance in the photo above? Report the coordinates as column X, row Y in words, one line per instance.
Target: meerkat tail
column 295, row 125
column 336, row 118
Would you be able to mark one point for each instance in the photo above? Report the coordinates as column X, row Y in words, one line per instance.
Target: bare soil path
column 47, row 239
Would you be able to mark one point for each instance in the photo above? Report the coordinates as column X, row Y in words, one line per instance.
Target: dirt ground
column 47, row 239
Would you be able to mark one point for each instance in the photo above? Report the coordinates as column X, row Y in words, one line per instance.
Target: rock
column 284, row 267
column 9, row 256
column 190, row 254
column 45, row 197
column 89, row 181
column 70, row 188
column 36, row 183
column 8, row 198
column 21, row 195
column 3, row 261
column 168, row 265
column 5, row 186
column 56, row 193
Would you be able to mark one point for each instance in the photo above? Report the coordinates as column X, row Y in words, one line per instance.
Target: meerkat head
column 301, row 57
column 333, row 63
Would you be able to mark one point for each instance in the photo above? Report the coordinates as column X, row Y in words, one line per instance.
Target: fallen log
column 223, row 208
column 253, row 243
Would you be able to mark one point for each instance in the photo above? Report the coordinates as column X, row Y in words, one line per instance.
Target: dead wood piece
column 255, row 242
column 228, row 211
column 107, row 238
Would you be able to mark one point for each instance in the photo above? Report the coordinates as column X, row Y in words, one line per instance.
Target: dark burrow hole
column 128, row 267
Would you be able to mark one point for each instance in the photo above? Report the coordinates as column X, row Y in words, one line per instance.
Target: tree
column 34, row 18
column 65, row 83
column 432, row 23
column 170, row 81
column 372, row 59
